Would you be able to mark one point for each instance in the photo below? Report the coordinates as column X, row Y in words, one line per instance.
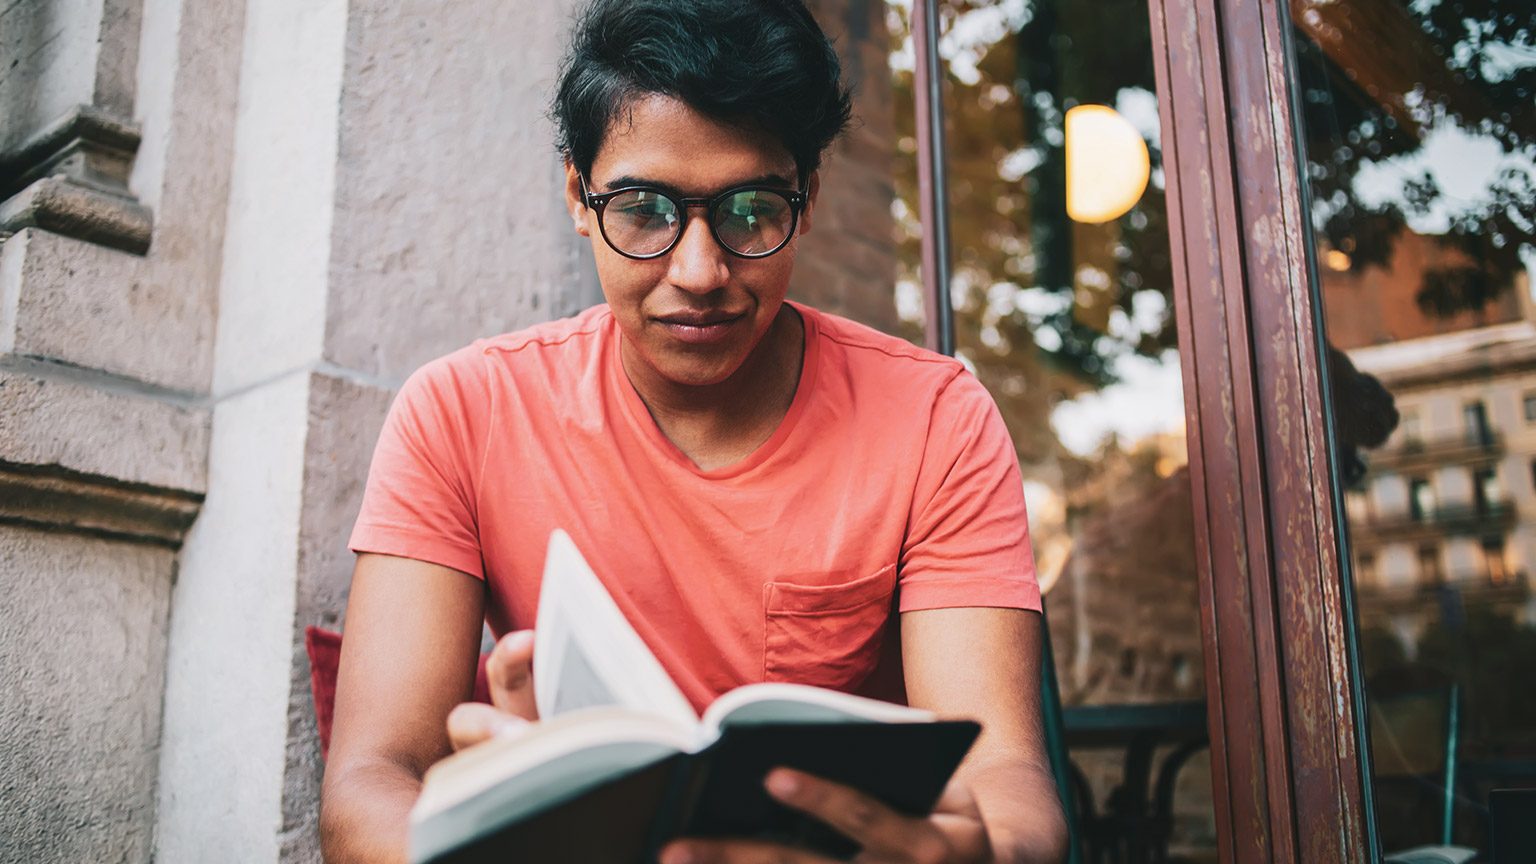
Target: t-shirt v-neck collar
column 642, row 422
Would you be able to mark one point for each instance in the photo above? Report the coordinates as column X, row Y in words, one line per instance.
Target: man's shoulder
column 548, row 352
column 867, row 352
column 575, row 334
column 548, row 341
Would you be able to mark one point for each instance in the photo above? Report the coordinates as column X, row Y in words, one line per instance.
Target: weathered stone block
column 52, row 421
column 97, row 308
column 82, row 637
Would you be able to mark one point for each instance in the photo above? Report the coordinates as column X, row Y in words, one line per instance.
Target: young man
column 762, row 487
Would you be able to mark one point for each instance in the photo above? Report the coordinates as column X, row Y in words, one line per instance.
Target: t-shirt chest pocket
column 826, row 635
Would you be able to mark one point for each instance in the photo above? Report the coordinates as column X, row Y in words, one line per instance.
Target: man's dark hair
column 755, row 64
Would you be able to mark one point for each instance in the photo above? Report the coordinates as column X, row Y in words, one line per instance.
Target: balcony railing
column 1470, row 448
column 1479, row 593
column 1491, row 518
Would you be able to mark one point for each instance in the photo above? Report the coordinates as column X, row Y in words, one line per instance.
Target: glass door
column 1417, row 128
column 1063, row 294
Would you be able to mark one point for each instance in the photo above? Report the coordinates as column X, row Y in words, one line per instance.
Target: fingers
column 884, row 833
column 955, row 832
column 473, row 722
column 509, row 672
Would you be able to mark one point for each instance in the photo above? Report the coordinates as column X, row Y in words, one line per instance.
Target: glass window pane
column 1419, row 134
column 1063, row 295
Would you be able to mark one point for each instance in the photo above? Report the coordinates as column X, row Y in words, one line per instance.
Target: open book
column 619, row 764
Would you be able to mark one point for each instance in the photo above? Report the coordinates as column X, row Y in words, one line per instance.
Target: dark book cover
column 719, row 792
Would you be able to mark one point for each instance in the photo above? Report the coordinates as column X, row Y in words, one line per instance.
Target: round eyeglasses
column 748, row 221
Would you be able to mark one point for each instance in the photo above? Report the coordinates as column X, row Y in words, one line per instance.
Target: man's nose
column 698, row 263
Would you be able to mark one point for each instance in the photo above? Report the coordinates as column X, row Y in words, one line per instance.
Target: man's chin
column 698, row 377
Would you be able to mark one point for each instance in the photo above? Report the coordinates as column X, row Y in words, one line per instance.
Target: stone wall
column 108, row 280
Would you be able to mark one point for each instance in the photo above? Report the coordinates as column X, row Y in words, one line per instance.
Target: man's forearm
column 1021, row 809
column 365, row 815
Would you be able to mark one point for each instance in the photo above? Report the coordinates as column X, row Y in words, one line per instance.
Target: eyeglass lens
column 751, row 222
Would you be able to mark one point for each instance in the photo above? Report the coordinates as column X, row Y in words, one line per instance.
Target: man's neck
column 720, row 424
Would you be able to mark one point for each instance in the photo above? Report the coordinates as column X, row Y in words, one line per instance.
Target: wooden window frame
column 1285, row 706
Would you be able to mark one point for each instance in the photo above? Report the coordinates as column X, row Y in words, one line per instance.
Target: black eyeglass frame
column 599, row 202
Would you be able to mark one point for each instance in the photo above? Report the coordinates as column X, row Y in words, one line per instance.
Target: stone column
column 106, row 337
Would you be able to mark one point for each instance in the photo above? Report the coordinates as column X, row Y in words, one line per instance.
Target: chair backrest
column 1055, row 738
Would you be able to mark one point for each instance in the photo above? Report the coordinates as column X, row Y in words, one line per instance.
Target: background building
column 1445, row 518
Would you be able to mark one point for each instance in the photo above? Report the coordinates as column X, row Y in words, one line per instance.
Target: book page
column 586, row 653
column 777, row 702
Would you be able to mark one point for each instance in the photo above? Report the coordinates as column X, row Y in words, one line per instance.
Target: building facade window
column 1365, row 569
column 1475, row 415
column 1430, row 570
column 1421, row 499
column 1486, row 491
column 1530, row 407
column 1412, row 433
column 1493, row 561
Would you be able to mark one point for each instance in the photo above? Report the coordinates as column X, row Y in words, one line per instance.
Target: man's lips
column 699, row 327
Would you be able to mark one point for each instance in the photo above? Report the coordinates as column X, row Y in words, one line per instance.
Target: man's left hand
column 954, row 834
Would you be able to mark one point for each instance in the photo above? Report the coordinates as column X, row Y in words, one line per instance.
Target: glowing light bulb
column 1107, row 164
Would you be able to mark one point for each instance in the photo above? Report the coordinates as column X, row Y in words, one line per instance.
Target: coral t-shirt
column 891, row 484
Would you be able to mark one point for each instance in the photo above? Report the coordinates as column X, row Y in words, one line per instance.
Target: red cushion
column 324, row 648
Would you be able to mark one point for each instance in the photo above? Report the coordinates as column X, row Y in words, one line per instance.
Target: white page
column 586, row 653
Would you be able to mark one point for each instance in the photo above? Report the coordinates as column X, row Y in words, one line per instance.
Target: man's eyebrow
column 628, row 180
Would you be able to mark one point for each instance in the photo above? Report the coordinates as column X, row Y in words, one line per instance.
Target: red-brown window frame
column 1283, row 707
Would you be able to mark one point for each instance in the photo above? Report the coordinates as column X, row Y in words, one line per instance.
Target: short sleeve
column 967, row 538
column 420, row 501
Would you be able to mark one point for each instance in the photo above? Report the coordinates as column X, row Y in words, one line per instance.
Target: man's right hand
column 509, row 672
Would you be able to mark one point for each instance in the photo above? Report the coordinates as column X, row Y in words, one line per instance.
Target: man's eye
column 646, row 209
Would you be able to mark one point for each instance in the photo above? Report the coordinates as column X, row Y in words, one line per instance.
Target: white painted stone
column 154, row 108
column 57, row 42
column 277, row 235
column 231, row 637
column 13, row 252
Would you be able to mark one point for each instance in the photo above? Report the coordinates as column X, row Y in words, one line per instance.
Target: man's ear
column 812, row 186
column 573, row 200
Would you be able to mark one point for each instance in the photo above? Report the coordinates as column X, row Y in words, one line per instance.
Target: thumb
column 509, row 672
column 472, row 722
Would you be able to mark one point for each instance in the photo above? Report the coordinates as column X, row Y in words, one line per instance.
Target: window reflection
column 1420, row 141
column 1063, row 307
